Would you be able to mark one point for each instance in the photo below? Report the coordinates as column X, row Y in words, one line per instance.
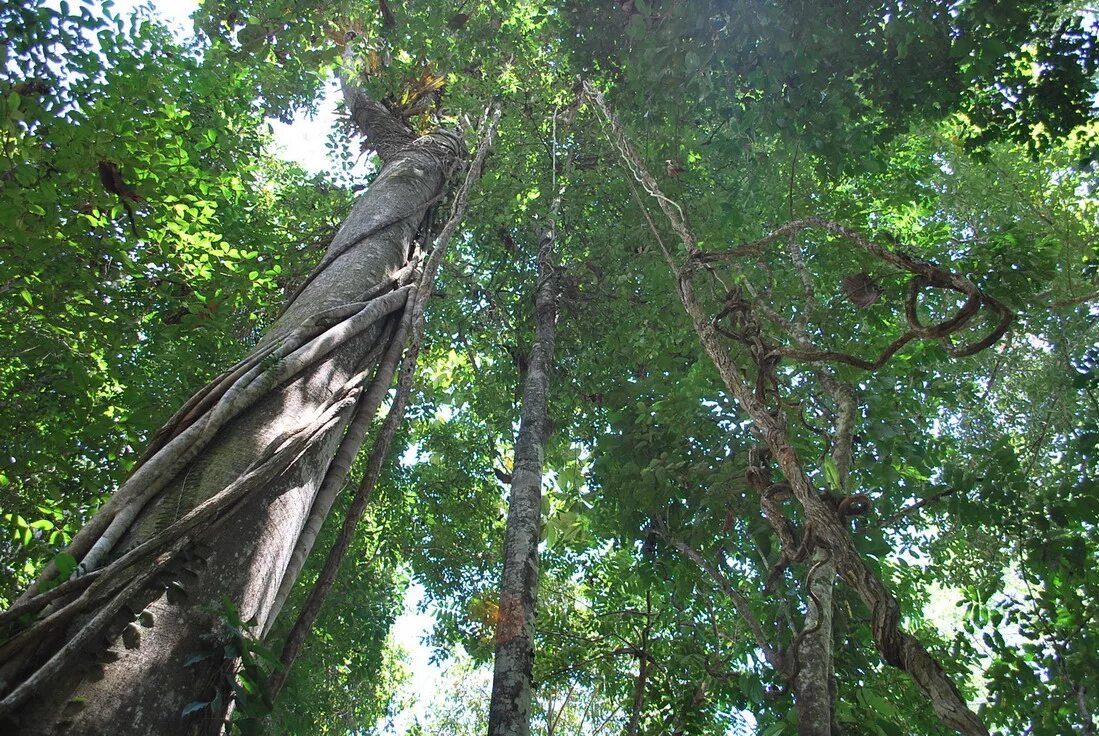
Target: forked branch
column 897, row 647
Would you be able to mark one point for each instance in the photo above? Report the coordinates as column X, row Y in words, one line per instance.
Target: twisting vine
column 897, row 647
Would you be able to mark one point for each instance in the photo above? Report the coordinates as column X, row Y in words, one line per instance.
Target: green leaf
column 832, row 474
column 65, row 563
column 196, row 658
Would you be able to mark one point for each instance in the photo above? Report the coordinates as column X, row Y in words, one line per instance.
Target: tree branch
column 897, row 647
column 384, row 132
column 893, row 518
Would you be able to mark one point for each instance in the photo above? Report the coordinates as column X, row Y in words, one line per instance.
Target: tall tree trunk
column 509, row 710
column 813, row 677
column 814, row 691
column 230, row 483
column 897, row 647
column 413, row 325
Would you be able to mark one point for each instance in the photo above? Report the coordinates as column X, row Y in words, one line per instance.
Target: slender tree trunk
column 814, row 691
column 812, row 681
column 642, row 680
column 230, row 484
column 509, row 711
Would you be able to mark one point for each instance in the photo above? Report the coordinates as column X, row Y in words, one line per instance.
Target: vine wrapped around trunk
column 216, row 509
column 897, row 647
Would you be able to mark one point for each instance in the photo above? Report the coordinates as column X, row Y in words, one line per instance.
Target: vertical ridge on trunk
column 251, row 486
column 410, row 331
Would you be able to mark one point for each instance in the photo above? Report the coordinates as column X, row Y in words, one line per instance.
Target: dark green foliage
column 964, row 132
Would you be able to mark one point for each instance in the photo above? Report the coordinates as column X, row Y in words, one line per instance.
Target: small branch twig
column 913, row 508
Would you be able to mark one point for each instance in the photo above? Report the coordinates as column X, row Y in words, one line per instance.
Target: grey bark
column 897, row 647
column 812, row 681
column 814, row 691
column 412, row 329
column 144, row 689
column 509, row 710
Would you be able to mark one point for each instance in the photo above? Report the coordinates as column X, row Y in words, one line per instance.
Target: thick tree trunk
column 144, row 686
column 412, row 325
column 509, row 711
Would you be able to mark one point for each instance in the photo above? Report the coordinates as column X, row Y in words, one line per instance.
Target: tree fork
column 897, row 648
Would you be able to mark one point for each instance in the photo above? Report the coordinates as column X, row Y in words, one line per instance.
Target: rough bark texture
column 812, row 692
column 412, row 330
column 311, row 609
column 143, row 689
column 897, row 647
column 509, row 712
